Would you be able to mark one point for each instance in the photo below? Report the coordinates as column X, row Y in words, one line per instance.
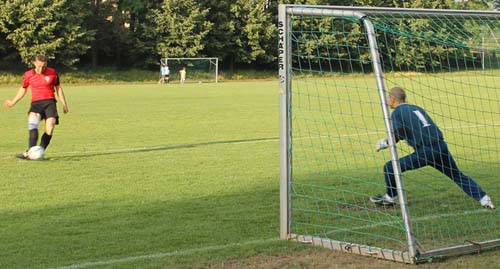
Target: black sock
column 33, row 138
column 45, row 140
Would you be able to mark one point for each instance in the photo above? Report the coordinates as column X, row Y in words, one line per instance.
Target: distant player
column 182, row 73
column 165, row 73
column 412, row 124
column 44, row 84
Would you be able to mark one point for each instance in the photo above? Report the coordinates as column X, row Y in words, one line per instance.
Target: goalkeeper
column 412, row 124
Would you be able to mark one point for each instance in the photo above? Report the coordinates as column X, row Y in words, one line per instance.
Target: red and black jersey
column 42, row 85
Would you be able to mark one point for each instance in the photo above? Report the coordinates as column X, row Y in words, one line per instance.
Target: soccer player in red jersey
column 44, row 84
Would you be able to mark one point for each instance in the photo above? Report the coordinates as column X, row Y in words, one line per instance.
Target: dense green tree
column 181, row 26
column 255, row 29
column 422, row 43
column 51, row 27
column 124, row 35
column 7, row 52
column 329, row 41
column 244, row 31
column 221, row 40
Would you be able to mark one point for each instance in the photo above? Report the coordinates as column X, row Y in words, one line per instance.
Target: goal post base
column 386, row 254
column 468, row 248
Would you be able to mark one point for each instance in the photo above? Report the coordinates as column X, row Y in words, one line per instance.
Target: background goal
column 336, row 65
column 197, row 69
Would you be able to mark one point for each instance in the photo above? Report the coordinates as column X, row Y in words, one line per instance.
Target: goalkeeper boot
column 486, row 202
column 383, row 199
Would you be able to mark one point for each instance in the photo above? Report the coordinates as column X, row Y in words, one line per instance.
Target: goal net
column 336, row 66
column 197, row 69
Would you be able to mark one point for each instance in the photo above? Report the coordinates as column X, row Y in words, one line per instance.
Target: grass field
column 157, row 176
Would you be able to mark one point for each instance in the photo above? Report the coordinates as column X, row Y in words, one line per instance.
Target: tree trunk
column 95, row 5
column 231, row 64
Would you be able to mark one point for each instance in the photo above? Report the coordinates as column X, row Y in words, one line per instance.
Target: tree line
column 136, row 33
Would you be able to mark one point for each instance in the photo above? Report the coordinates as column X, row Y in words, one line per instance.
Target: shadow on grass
column 104, row 230
column 71, row 155
column 117, row 231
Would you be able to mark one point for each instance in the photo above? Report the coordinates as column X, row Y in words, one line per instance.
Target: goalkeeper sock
column 45, row 140
column 33, row 138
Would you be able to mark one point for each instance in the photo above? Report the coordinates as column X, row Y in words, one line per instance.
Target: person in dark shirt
column 412, row 124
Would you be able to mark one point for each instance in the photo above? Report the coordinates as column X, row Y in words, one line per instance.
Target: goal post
column 336, row 65
column 198, row 69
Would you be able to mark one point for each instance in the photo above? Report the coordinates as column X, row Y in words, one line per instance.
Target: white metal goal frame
column 412, row 254
column 213, row 62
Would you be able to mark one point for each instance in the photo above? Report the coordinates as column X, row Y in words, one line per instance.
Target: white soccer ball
column 36, row 153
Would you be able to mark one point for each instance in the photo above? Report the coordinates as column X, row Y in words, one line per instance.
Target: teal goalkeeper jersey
column 412, row 124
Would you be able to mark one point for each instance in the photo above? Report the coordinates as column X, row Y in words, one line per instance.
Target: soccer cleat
column 23, row 155
column 383, row 199
column 486, row 202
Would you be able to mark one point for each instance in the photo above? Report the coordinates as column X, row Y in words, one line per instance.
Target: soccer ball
column 36, row 153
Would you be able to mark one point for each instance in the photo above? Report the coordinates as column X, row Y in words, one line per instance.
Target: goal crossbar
column 317, row 10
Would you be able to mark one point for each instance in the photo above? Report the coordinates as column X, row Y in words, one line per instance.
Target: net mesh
column 450, row 66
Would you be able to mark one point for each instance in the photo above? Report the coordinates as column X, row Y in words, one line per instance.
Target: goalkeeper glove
column 382, row 144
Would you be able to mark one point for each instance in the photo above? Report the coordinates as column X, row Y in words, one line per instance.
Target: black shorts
column 46, row 108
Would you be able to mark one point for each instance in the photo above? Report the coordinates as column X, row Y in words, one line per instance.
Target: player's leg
column 51, row 120
column 50, row 124
column 33, row 123
column 409, row 162
column 445, row 163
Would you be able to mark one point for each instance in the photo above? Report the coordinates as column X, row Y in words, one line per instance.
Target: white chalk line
column 166, row 254
column 255, row 242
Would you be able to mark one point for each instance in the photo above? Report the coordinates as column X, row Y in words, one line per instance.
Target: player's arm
column 384, row 142
column 399, row 134
column 19, row 95
column 398, row 130
column 62, row 98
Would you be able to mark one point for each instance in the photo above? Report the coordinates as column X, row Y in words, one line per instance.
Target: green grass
column 187, row 172
column 140, row 169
